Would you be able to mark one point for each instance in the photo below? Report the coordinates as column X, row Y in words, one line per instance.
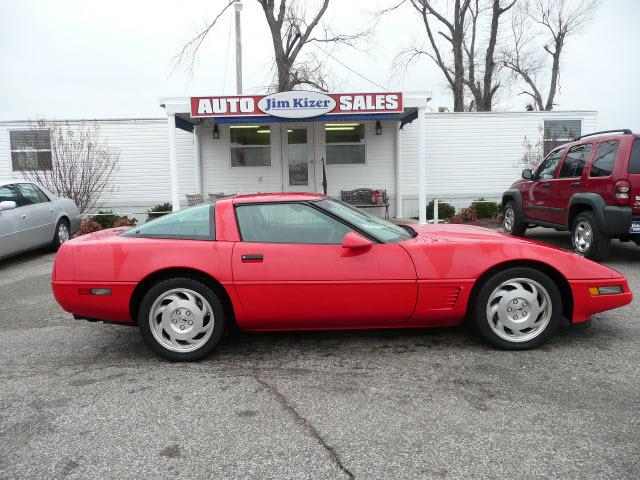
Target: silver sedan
column 32, row 217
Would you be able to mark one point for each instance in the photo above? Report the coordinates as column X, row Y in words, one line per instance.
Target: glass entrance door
column 298, row 159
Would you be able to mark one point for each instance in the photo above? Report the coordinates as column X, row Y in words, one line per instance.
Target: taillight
column 623, row 190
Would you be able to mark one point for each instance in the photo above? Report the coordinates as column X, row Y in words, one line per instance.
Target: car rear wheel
column 519, row 308
column 587, row 239
column 512, row 223
column 61, row 235
column 181, row 319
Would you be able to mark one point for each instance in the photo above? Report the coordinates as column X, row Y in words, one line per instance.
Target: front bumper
column 585, row 304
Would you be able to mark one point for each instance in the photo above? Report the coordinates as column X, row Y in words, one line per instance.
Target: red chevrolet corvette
column 309, row 262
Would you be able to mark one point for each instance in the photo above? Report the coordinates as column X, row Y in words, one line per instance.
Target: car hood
column 461, row 233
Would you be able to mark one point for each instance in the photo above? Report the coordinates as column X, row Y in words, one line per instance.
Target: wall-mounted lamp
column 216, row 132
column 378, row 127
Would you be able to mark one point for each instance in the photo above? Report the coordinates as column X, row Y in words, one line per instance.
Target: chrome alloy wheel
column 583, row 237
column 519, row 310
column 63, row 232
column 509, row 219
column 181, row 320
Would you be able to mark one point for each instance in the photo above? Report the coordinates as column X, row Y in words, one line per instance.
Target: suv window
column 575, row 161
column 8, row 194
column 605, row 159
column 548, row 167
column 288, row 223
column 30, row 195
column 634, row 160
column 192, row 223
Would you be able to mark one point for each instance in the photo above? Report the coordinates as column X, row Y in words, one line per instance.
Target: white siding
column 472, row 155
column 142, row 179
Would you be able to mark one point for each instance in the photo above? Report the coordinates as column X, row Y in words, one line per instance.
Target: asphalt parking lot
column 88, row 400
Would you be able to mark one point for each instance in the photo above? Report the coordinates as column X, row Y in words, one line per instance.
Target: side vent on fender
column 451, row 298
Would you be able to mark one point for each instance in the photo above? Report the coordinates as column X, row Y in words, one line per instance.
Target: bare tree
column 82, row 164
column 554, row 21
column 483, row 92
column 292, row 31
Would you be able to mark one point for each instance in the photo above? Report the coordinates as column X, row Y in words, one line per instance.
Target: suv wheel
column 587, row 238
column 512, row 223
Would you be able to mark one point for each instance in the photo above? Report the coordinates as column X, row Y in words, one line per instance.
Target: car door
column 14, row 224
column 567, row 182
column 41, row 213
column 535, row 202
column 291, row 271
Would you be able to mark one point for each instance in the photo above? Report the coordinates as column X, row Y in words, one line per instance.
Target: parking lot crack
column 303, row 422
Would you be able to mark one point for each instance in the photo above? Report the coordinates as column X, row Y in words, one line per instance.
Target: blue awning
column 321, row 118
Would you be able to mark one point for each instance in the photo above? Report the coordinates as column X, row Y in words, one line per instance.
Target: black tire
column 600, row 243
column 484, row 323
column 158, row 290
column 518, row 226
column 58, row 236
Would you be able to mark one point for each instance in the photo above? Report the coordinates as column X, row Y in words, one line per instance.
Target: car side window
column 634, row 160
column 29, row 194
column 548, row 167
column 295, row 223
column 574, row 162
column 41, row 194
column 194, row 223
column 604, row 159
column 8, row 194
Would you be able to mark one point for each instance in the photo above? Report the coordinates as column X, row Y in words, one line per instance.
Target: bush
column 125, row 222
column 445, row 210
column 485, row 209
column 159, row 210
column 88, row 226
column 466, row 215
column 108, row 219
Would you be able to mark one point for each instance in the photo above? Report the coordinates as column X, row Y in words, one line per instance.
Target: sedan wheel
column 61, row 234
column 181, row 319
column 518, row 308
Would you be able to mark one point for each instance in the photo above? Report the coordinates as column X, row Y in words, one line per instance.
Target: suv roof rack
column 624, row 131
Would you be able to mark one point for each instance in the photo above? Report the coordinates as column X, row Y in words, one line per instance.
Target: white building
column 465, row 156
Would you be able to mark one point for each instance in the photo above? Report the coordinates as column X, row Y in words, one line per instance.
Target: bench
column 367, row 198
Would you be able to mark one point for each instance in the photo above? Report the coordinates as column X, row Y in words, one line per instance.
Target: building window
column 557, row 132
column 344, row 143
column 30, row 149
column 250, row 146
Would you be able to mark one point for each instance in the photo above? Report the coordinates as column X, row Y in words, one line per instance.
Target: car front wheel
column 587, row 239
column 518, row 308
column 512, row 223
column 181, row 319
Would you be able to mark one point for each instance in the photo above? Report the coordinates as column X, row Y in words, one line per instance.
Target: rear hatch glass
column 634, row 175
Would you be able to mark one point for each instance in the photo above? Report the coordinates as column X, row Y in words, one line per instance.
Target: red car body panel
column 425, row 281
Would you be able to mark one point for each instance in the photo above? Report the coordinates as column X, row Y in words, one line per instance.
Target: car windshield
column 378, row 228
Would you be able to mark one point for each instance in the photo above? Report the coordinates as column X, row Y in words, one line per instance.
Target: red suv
column 590, row 186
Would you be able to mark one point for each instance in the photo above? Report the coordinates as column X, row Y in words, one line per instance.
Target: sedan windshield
column 378, row 228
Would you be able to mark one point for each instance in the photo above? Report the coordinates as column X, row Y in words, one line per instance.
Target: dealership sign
column 296, row 104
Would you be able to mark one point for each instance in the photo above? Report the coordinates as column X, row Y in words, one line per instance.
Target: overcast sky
column 90, row 59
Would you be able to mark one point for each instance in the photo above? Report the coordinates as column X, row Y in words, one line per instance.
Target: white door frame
column 284, row 128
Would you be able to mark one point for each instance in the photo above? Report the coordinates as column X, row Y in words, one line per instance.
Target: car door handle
column 24, row 215
column 546, row 185
column 51, row 210
column 576, row 184
column 252, row 258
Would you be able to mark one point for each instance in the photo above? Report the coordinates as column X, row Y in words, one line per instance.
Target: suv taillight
column 623, row 190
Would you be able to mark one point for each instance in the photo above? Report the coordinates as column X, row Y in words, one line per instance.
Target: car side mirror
column 527, row 174
column 7, row 205
column 355, row 241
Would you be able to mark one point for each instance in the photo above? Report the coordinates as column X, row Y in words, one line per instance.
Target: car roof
column 275, row 197
column 13, row 181
column 597, row 138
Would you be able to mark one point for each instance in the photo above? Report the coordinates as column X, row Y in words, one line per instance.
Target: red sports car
column 309, row 262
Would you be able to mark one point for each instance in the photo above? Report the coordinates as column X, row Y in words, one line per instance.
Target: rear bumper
column 585, row 304
column 617, row 220
column 114, row 307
